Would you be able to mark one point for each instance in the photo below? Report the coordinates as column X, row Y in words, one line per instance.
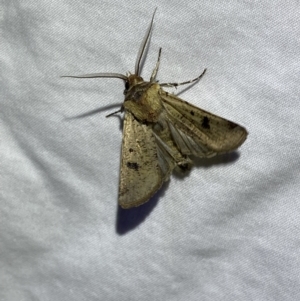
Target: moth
column 161, row 132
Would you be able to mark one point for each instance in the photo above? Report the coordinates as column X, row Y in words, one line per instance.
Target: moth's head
column 131, row 81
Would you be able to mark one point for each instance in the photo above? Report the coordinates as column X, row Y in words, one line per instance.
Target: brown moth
column 161, row 132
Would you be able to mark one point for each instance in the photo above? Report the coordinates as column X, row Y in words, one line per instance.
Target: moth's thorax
column 143, row 102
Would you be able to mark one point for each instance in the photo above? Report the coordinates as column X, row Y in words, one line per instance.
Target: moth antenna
column 154, row 72
column 143, row 46
column 95, row 75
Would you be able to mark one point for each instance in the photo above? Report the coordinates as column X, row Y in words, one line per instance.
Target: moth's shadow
column 93, row 112
column 222, row 159
column 226, row 158
column 128, row 219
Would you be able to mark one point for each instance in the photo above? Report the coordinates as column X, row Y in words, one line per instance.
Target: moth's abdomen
column 143, row 103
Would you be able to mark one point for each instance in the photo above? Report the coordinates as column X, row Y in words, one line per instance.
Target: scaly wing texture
column 144, row 165
column 200, row 133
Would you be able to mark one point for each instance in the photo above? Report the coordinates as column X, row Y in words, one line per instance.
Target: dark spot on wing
column 131, row 150
column 192, row 113
column 133, row 165
column 205, row 123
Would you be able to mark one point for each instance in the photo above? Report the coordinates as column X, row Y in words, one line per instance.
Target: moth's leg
column 113, row 113
column 183, row 83
column 154, row 72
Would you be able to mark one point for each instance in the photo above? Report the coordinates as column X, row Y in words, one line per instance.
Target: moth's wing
column 198, row 132
column 144, row 164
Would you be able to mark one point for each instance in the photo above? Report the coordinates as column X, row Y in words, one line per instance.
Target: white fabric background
column 227, row 231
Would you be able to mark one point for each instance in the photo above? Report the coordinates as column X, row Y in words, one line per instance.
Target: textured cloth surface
column 229, row 230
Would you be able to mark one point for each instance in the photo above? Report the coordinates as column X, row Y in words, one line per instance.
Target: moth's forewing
column 140, row 174
column 213, row 134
